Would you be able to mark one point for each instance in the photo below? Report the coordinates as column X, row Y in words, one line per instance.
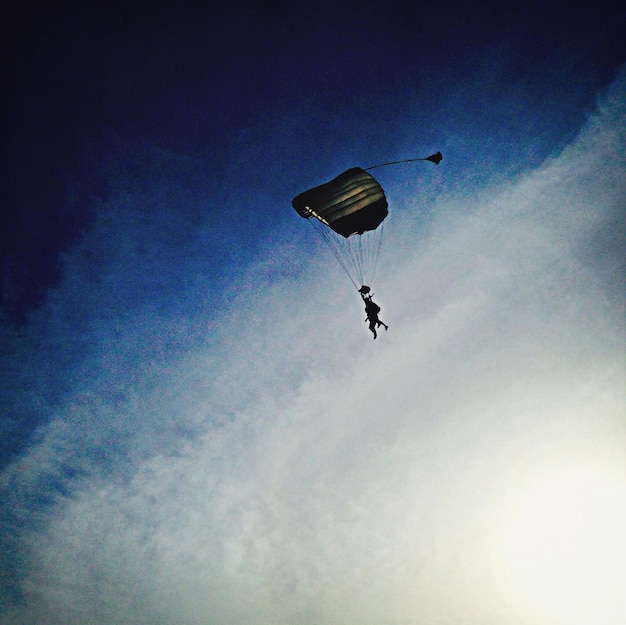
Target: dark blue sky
column 87, row 82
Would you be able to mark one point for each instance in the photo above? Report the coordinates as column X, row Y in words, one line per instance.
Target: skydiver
column 371, row 310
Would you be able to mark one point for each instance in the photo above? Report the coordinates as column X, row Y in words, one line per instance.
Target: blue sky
column 197, row 427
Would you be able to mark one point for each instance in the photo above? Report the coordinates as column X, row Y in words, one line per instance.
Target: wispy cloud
column 282, row 467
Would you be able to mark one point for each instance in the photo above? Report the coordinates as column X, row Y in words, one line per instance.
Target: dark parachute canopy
column 352, row 205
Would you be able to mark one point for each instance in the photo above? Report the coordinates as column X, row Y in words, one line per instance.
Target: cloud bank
column 264, row 461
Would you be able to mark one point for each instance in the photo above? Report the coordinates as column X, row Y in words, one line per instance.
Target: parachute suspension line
column 357, row 254
column 365, row 251
column 349, row 249
column 376, row 253
column 334, row 247
column 433, row 158
column 342, row 254
column 356, row 244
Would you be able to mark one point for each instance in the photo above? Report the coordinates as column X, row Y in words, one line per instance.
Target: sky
column 196, row 426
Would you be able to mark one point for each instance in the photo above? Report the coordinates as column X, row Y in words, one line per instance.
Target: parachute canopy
column 351, row 203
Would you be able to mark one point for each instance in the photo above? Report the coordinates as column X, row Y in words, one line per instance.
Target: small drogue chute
column 349, row 213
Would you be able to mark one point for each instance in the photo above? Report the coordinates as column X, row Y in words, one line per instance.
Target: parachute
column 349, row 213
column 351, row 203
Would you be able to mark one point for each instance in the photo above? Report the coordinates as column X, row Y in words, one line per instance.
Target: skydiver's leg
column 373, row 328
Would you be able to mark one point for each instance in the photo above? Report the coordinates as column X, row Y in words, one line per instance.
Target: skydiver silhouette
column 371, row 310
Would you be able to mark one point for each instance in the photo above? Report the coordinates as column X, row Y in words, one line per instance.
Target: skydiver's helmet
column 364, row 289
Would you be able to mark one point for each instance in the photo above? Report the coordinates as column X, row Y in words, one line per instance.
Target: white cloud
column 295, row 471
